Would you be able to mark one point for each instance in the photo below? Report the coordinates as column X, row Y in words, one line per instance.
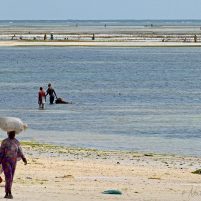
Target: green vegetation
column 197, row 171
column 149, row 154
column 114, row 192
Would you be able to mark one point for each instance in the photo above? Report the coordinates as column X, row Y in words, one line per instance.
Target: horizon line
column 98, row 19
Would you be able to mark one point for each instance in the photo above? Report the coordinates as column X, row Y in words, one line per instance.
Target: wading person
column 10, row 152
column 41, row 98
column 51, row 93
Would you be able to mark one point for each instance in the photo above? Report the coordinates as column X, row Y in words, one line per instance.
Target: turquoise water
column 24, row 23
column 140, row 99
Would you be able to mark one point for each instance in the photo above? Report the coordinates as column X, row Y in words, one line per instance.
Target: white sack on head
column 12, row 124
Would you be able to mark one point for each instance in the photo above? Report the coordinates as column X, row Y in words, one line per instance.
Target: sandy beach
column 58, row 173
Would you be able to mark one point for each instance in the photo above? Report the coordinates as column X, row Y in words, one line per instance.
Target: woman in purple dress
column 10, row 152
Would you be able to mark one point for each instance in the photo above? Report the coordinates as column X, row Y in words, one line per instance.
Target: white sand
column 60, row 174
column 99, row 44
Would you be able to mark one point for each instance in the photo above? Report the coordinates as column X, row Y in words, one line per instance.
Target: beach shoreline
column 59, row 173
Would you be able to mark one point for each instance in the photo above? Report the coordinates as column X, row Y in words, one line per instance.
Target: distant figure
column 10, row 152
column 93, row 37
column 105, row 25
column 13, row 37
column 195, row 38
column 61, row 101
column 51, row 36
column 51, row 93
column 45, row 36
column 41, row 98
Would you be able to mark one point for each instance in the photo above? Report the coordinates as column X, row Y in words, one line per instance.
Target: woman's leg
column 9, row 171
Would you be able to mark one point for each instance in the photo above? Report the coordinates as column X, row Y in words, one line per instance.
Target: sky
column 99, row 9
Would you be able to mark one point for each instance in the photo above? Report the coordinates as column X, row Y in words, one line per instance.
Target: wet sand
column 58, row 173
column 110, row 36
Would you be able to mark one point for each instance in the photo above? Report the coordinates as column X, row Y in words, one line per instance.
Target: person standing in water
column 41, row 98
column 51, row 93
column 10, row 152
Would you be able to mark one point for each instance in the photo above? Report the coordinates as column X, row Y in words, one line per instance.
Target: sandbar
column 96, row 44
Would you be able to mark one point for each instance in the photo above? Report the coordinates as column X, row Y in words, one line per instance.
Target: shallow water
column 144, row 99
column 33, row 28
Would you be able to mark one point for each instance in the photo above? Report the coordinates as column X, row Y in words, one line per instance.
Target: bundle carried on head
column 12, row 124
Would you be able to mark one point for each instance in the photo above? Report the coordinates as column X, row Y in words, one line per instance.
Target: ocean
column 134, row 99
column 129, row 22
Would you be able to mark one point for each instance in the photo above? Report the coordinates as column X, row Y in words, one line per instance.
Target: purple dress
column 10, row 151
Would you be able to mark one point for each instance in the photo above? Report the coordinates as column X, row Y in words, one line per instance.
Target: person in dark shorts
column 51, row 93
